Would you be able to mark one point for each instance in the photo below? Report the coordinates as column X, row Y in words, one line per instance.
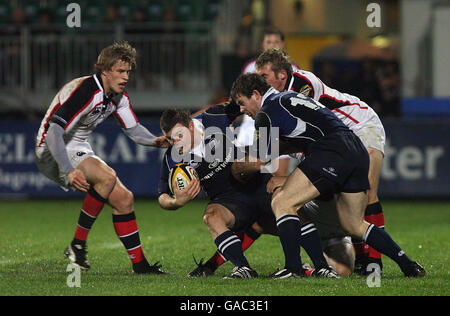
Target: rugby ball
column 181, row 175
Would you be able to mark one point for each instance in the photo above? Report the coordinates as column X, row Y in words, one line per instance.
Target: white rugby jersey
column 350, row 109
column 247, row 127
column 81, row 105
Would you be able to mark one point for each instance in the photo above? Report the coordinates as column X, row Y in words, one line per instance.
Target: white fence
column 35, row 62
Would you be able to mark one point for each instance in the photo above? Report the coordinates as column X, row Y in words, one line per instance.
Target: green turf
column 33, row 235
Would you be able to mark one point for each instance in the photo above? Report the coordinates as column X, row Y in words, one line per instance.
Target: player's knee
column 372, row 195
column 280, row 206
column 211, row 217
column 109, row 178
column 124, row 201
column 355, row 228
column 129, row 199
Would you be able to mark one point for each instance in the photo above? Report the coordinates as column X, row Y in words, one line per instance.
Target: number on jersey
column 308, row 102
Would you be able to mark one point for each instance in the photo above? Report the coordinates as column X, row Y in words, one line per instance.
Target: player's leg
column 374, row 212
column 373, row 137
column 102, row 180
column 247, row 237
column 350, row 207
column 125, row 224
column 296, row 191
column 311, row 242
column 219, row 220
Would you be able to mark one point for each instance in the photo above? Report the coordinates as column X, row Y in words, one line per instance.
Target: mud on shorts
column 372, row 134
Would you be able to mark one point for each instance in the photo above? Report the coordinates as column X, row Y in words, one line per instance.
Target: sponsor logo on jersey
column 305, row 90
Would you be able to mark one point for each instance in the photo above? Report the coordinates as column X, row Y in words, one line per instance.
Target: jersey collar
column 267, row 94
column 289, row 83
column 98, row 81
column 106, row 97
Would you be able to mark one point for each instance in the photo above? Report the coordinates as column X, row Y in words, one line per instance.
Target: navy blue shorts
column 246, row 207
column 339, row 159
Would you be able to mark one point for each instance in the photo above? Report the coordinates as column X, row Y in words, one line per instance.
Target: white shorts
column 77, row 152
column 372, row 134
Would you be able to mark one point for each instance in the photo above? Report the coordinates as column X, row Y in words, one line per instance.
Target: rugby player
column 64, row 155
column 336, row 165
column 278, row 71
column 272, row 38
column 233, row 206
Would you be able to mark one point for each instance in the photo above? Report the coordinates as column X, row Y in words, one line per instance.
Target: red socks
column 125, row 225
column 92, row 206
column 374, row 215
column 128, row 233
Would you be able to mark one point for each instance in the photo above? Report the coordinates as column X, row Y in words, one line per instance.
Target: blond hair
column 113, row 53
column 278, row 59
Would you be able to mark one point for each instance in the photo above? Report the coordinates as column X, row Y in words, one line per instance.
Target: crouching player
column 202, row 142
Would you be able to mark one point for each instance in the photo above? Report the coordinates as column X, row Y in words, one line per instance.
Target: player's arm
column 257, row 157
column 142, row 136
column 243, row 169
column 221, row 114
column 181, row 197
column 57, row 147
column 133, row 129
column 275, row 183
column 73, row 105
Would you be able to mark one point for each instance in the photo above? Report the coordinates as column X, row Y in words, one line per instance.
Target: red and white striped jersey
column 350, row 109
column 81, row 105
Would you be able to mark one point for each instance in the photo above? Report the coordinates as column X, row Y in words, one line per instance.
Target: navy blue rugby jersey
column 300, row 120
column 213, row 158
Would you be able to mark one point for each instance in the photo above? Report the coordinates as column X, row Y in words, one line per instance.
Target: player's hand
column 161, row 142
column 77, row 180
column 188, row 194
column 275, row 183
column 243, row 171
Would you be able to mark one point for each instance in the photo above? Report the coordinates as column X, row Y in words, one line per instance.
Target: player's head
column 178, row 128
column 272, row 38
column 247, row 91
column 275, row 67
column 114, row 64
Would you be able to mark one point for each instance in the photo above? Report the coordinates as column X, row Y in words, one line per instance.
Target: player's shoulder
column 296, row 68
column 79, row 88
column 271, row 109
column 304, row 75
column 249, row 67
column 168, row 160
column 282, row 97
column 292, row 98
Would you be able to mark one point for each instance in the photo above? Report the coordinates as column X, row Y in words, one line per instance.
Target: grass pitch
column 33, row 235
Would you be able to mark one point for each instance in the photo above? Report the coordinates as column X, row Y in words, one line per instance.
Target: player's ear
column 256, row 93
column 283, row 74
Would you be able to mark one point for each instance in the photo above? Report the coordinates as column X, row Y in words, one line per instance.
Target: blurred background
column 190, row 52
